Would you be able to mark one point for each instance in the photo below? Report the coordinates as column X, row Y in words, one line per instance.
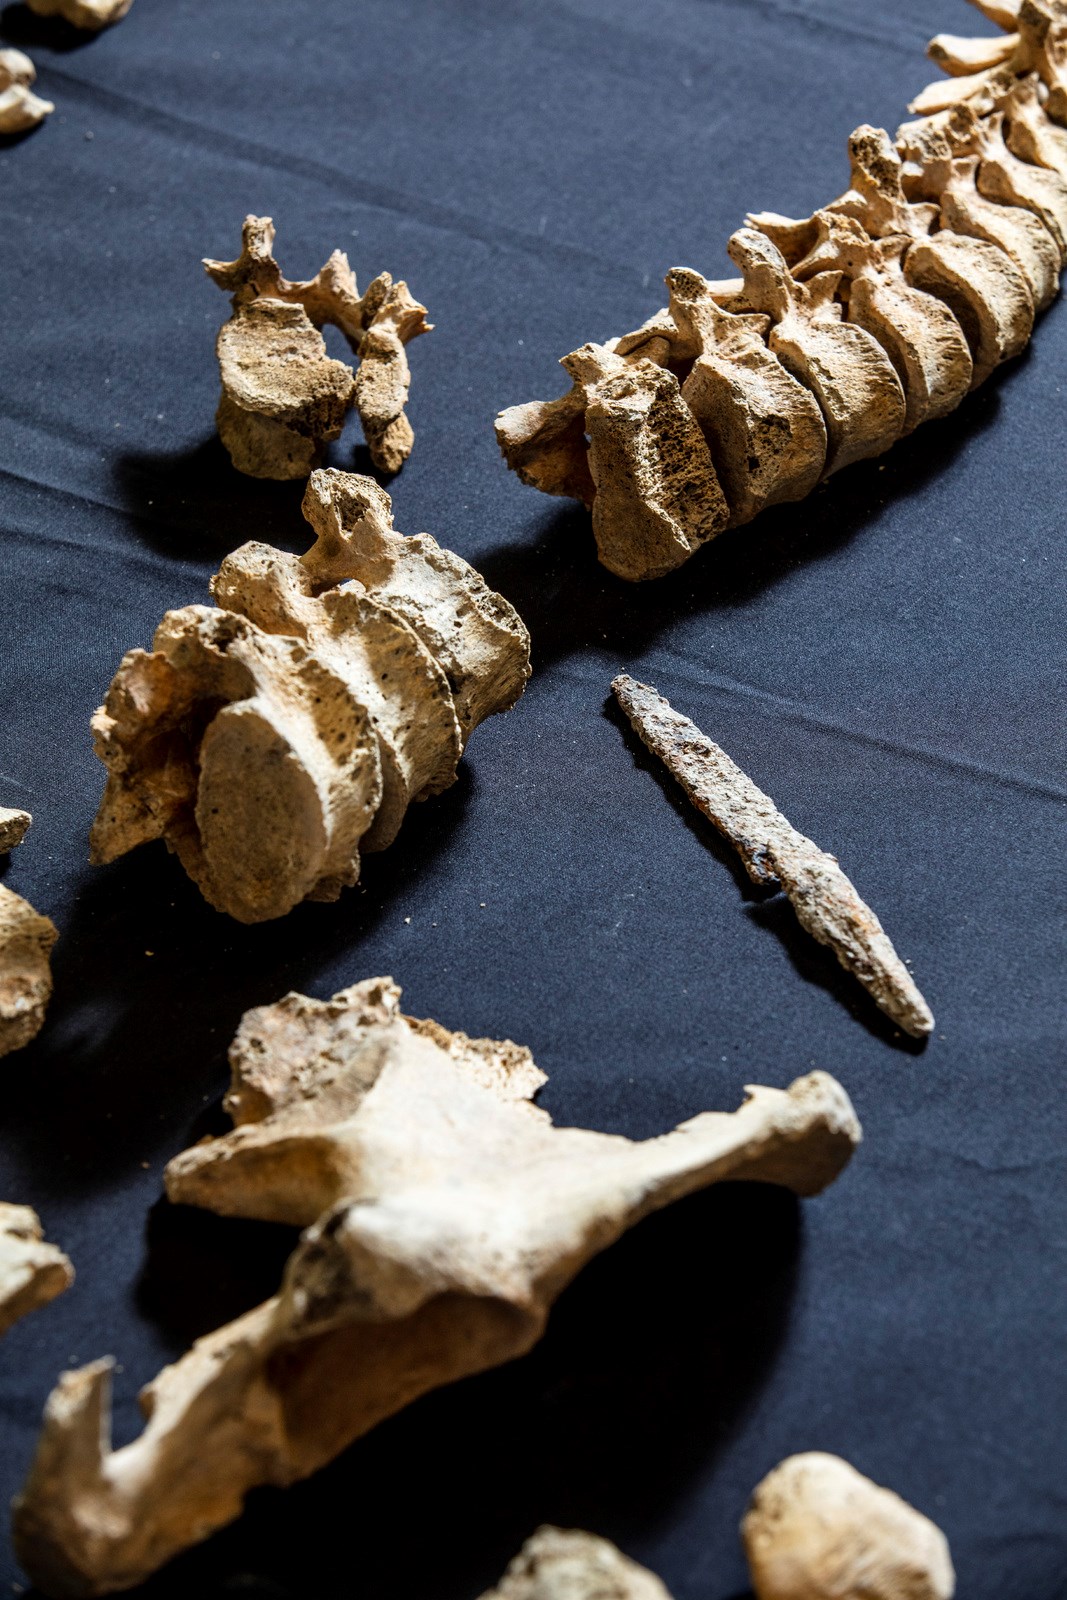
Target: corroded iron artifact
column 846, row 330
column 32, row 1272
column 272, row 741
column 567, row 1564
column 450, row 1215
column 776, row 855
column 816, row 1529
column 283, row 397
column 20, row 108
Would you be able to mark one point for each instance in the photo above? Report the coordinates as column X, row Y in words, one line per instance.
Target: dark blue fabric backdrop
column 885, row 659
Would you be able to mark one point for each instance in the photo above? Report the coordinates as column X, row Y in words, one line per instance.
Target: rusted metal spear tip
column 773, row 852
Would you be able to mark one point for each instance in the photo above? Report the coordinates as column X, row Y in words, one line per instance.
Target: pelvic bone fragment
column 32, row 1272
column 566, row 1564
column 878, row 329
column 283, row 397
column 272, row 741
column 774, row 853
column 455, row 1214
column 26, row 940
column 20, row 108
column 816, row 1529
column 93, row 14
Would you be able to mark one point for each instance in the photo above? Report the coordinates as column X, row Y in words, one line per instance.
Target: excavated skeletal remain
column 20, row 108
column 816, row 1529
column 567, row 1564
column 14, row 826
column 775, row 854
column 283, row 398
column 93, row 14
column 1036, row 43
column 456, row 1214
column 270, row 742
column 26, row 940
column 32, row 1272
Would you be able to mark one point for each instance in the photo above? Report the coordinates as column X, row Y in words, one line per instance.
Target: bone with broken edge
column 32, row 1271
column 816, row 1529
column 26, row 940
column 94, row 14
column 272, row 741
column 774, row 853
column 14, row 826
column 283, row 398
column 20, row 108
column 567, row 1564
column 450, row 1215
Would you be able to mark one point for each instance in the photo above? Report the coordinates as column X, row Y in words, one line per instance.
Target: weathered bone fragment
column 32, row 1272
column 14, row 826
column 26, row 940
column 848, row 372
column 1036, row 43
column 775, row 854
column 461, row 1213
column 20, row 108
column 566, row 1564
column 93, row 14
column 816, row 1529
column 270, row 742
column 283, row 398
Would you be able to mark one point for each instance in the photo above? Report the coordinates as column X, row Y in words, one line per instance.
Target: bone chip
column 816, row 1529
column 32, row 1272
column 93, row 14
column 14, row 826
column 566, row 1564
column 20, row 108
column 450, row 1215
column 774, row 853
column 26, row 940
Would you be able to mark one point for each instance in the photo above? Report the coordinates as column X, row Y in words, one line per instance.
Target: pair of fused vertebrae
column 283, row 398
column 845, row 331
column 273, row 740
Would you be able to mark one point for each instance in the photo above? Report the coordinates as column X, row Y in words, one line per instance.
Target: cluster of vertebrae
column 283, row 397
column 274, row 738
column 845, row 331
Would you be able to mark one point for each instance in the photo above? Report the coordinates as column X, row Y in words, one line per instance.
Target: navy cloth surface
column 884, row 659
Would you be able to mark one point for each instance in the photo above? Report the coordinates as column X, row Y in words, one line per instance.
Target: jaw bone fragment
column 816, row 1529
column 775, row 853
column 283, row 398
column 566, row 1564
column 464, row 1213
column 26, row 940
column 93, row 14
column 20, row 108
column 271, row 741
column 844, row 367
column 32, row 1272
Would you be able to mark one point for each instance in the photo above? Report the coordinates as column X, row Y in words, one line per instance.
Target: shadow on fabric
column 21, row 26
column 652, row 1356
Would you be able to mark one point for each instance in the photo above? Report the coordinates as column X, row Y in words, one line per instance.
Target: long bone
column 459, row 1213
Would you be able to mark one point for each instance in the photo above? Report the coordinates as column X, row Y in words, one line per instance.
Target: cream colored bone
column 94, row 14
column 20, row 108
column 458, row 1214
column 272, row 741
column 32, row 1272
column 26, row 940
column 980, row 68
column 816, row 1529
column 775, row 853
column 566, row 1564
column 283, row 398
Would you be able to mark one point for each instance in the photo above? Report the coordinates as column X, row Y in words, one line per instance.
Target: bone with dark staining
column 567, row 1564
column 774, row 853
column 283, row 398
column 32, row 1271
column 456, row 1214
column 271, row 742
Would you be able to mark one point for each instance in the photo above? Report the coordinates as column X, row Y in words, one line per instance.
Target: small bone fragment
column 775, row 853
column 566, row 1564
column 544, row 442
column 26, row 940
column 960, row 57
column 816, row 1529
column 765, row 430
column 94, row 14
column 32, row 1272
column 464, row 1214
column 14, row 826
column 847, row 370
column 20, row 108
column 283, row 398
column 917, row 331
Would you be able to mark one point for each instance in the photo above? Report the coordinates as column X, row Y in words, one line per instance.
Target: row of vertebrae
column 283, row 398
column 845, row 331
column 272, row 740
